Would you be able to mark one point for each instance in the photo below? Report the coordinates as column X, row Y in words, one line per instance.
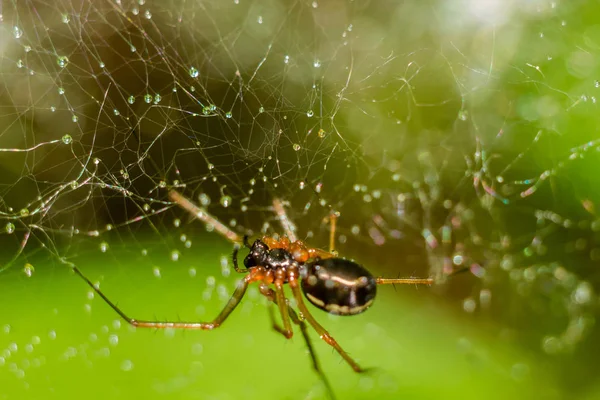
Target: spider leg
column 287, row 225
column 293, row 282
column 246, row 242
column 236, row 249
column 332, row 225
column 229, row 307
column 283, row 308
column 270, row 294
column 409, row 281
column 204, row 216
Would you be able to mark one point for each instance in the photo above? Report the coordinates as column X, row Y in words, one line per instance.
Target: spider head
column 259, row 252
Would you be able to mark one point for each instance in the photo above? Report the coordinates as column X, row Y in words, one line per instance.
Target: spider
column 333, row 284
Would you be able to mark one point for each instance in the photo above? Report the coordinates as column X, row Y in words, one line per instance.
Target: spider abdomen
column 339, row 286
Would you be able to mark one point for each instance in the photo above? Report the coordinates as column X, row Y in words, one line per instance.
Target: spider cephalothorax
column 270, row 259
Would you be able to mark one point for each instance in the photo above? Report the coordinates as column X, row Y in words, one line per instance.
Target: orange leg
column 293, row 281
column 271, row 295
column 229, row 307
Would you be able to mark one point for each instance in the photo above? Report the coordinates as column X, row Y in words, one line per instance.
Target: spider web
column 466, row 142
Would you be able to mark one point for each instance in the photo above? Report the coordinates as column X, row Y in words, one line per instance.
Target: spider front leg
column 235, row 299
column 234, row 258
column 271, row 295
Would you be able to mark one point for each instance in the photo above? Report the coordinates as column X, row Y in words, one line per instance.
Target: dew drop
column 104, row 247
column 62, row 61
column 17, row 32
column 131, row 99
column 228, row 114
column 175, row 255
column 28, row 270
column 317, row 64
column 67, row 139
column 10, row 227
column 286, row 59
column 296, row 147
column 194, row 72
column 148, row 98
column 321, row 133
column 309, row 113
column 204, row 199
column 20, row 63
column 225, row 201
column 24, row 212
column 147, row 14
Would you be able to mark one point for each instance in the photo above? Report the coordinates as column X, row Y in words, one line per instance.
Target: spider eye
column 250, row 261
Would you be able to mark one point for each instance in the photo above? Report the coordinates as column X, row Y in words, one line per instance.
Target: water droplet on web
column 27, row 49
column 67, row 139
column 75, row 118
column 126, row 365
column 66, row 19
column 175, row 255
column 317, row 64
column 148, row 98
column 157, row 99
column 102, row 65
column 286, row 59
column 321, row 133
column 463, row 115
column 302, row 185
column 104, row 247
column 309, row 113
column 116, row 112
column 28, row 270
column 261, row 110
column 194, row 72
column 296, row 147
column 24, row 212
column 132, row 49
column 10, row 227
column 156, row 272
column 146, row 207
column 228, row 114
column 62, row 61
column 20, row 63
column 17, row 32
column 131, row 99
column 260, row 19
column 225, row 201
column 61, row 90
column 147, row 14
